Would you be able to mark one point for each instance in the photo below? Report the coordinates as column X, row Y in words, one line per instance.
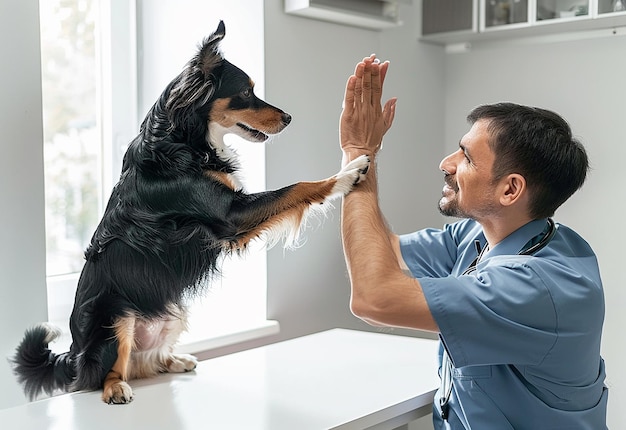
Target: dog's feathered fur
column 175, row 210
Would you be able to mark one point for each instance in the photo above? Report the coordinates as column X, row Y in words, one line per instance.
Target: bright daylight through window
column 72, row 143
column 78, row 92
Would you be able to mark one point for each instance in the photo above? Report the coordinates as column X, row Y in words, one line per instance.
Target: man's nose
column 448, row 165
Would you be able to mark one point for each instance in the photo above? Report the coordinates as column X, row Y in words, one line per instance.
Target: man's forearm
column 369, row 253
column 382, row 294
column 364, row 228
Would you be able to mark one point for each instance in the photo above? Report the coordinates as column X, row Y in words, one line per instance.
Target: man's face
column 469, row 191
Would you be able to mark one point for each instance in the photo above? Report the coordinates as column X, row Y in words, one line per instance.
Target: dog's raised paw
column 118, row 393
column 352, row 173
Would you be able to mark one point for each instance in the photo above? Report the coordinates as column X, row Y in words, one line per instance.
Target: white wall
column 585, row 81
column 22, row 239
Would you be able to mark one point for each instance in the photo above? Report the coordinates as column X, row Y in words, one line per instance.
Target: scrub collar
column 520, row 239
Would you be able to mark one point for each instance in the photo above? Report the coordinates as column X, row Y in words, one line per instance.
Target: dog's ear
column 209, row 55
column 218, row 34
column 196, row 84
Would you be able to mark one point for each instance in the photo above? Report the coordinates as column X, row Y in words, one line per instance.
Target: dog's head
column 215, row 91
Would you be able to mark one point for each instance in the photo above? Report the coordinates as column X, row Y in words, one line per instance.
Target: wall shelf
column 535, row 21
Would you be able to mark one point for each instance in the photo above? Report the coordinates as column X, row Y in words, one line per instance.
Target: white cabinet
column 460, row 21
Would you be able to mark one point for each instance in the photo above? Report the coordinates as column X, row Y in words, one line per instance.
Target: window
column 71, row 141
column 95, row 94
column 72, row 149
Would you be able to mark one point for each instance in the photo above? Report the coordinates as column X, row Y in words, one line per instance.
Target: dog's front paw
column 118, row 393
column 180, row 363
column 352, row 173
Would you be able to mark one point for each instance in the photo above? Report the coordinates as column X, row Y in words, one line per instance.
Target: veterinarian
column 516, row 299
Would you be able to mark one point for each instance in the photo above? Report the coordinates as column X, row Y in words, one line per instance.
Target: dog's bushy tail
column 39, row 369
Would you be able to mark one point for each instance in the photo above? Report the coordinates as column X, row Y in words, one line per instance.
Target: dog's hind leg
column 154, row 345
column 180, row 363
column 116, row 390
column 177, row 363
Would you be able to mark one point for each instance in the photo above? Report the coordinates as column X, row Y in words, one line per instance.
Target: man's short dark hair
column 537, row 144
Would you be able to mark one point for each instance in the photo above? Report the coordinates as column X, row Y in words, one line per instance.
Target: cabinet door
column 444, row 16
column 505, row 13
column 560, row 9
column 611, row 6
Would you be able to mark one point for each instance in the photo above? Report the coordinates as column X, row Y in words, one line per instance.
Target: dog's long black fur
column 175, row 211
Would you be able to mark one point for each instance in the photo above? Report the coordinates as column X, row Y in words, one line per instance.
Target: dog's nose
column 286, row 118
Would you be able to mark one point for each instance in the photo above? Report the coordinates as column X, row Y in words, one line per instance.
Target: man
column 516, row 299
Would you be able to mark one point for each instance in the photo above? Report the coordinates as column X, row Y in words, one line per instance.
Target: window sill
column 202, row 342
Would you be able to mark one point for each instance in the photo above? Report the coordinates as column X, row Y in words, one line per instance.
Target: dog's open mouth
column 254, row 134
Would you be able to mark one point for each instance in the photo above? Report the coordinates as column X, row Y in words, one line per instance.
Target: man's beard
column 451, row 206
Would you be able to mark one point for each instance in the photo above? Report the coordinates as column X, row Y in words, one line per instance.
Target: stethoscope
column 547, row 236
column 446, row 362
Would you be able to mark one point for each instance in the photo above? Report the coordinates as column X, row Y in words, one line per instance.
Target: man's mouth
column 450, row 184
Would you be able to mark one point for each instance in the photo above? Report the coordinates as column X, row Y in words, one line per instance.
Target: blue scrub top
column 523, row 331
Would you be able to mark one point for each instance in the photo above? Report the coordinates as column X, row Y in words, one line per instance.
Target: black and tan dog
column 175, row 210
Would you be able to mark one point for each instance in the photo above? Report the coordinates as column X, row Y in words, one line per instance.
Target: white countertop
column 342, row 379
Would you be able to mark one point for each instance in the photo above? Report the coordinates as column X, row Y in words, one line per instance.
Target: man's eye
column 466, row 157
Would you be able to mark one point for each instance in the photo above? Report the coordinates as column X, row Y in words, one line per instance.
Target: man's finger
column 358, row 84
column 367, row 81
column 383, row 72
column 348, row 98
column 376, row 84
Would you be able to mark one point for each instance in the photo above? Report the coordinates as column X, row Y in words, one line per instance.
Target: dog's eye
column 247, row 93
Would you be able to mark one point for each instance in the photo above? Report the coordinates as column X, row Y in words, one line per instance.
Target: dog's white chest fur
column 215, row 138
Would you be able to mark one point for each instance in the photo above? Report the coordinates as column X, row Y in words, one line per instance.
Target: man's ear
column 512, row 189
